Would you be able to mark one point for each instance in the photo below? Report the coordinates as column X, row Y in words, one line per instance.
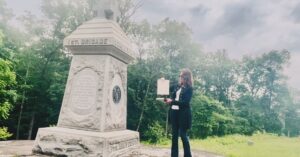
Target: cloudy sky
column 242, row 27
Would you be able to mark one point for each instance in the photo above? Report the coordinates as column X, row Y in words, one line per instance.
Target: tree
column 292, row 121
column 210, row 117
column 218, row 76
column 162, row 53
column 7, row 94
column 263, row 82
column 127, row 9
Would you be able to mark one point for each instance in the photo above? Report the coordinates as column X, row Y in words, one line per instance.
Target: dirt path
column 23, row 148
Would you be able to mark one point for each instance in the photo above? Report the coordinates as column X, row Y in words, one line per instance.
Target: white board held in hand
column 163, row 86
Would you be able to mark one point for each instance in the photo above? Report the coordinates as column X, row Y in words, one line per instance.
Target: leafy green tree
column 142, row 92
column 218, row 76
column 263, row 82
column 210, row 117
column 7, row 75
column 7, row 94
column 250, row 108
column 175, row 45
column 161, row 53
column 292, row 121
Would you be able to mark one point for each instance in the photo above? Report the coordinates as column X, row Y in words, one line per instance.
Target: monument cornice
column 110, row 50
column 97, row 35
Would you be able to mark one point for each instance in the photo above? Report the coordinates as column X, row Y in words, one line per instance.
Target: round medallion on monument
column 116, row 108
column 117, row 94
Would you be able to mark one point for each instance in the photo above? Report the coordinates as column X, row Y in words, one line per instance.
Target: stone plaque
column 83, row 92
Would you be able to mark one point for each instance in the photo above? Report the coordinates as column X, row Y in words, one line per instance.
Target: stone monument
column 92, row 120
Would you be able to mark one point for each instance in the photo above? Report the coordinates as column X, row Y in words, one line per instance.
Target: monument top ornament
column 107, row 9
column 102, row 35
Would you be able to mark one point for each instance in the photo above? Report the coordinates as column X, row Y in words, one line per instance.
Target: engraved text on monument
column 83, row 93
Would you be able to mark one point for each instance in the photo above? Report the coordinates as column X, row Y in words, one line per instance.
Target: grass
column 258, row 145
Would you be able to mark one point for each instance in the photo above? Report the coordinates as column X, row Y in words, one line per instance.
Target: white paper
column 175, row 107
column 163, row 86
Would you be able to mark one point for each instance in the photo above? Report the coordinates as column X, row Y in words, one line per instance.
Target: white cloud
column 19, row 6
column 242, row 27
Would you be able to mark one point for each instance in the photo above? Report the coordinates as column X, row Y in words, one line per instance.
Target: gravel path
column 23, row 148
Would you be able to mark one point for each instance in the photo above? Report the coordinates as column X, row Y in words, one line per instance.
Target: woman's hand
column 168, row 101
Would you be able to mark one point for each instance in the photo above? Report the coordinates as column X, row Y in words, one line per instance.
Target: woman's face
column 181, row 80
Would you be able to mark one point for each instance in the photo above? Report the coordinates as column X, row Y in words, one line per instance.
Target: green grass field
column 258, row 145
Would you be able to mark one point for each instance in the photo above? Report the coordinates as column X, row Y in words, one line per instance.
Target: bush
column 4, row 134
column 155, row 133
column 210, row 117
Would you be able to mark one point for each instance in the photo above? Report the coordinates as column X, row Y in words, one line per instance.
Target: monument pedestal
column 70, row 142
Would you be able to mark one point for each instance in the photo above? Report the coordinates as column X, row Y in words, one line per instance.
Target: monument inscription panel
column 84, row 91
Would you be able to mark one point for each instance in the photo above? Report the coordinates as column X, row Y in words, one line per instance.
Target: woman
column 181, row 116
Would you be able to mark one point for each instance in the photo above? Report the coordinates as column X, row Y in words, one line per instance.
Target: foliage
column 7, row 94
column 152, row 66
column 264, row 95
column 7, row 78
column 155, row 133
column 4, row 134
column 210, row 117
column 292, row 121
column 218, row 76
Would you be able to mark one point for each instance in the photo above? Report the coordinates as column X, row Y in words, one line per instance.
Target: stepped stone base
column 70, row 142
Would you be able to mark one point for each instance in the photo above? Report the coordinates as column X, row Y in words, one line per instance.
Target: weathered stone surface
column 88, row 101
column 83, row 98
column 71, row 142
column 116, row 114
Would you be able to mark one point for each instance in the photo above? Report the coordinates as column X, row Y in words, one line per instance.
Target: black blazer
column 183, row 116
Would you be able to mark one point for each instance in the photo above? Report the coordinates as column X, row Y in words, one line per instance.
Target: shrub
column 155, row 133
column 4, row 134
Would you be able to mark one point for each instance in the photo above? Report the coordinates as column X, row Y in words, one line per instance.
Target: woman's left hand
column 168, row 101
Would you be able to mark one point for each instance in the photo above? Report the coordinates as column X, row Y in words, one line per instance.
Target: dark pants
column 176, row 131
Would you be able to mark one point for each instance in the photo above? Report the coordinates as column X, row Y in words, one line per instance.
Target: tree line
column 230, row 96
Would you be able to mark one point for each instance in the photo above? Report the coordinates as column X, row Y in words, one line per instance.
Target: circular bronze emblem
column 116, row 94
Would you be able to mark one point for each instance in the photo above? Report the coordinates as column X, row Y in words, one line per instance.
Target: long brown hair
column 187, row 76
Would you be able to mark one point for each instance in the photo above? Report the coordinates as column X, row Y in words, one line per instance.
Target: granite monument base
column 70, row 142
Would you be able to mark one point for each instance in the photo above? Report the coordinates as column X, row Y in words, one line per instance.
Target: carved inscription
column 118, row 145
column 98, row 41
column 83, row 92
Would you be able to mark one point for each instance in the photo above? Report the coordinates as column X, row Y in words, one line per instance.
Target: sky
column 241, row 27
